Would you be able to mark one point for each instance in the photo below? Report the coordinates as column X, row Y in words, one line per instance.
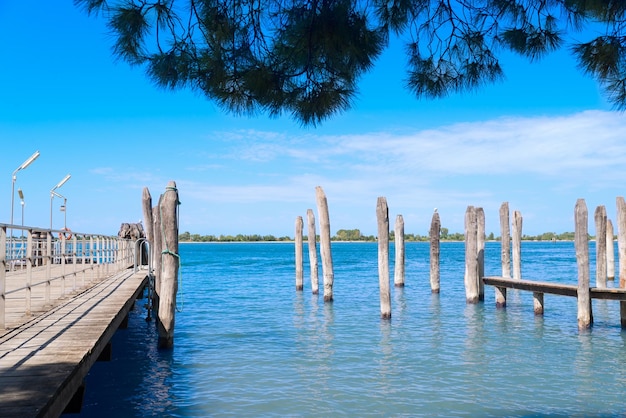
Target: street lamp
column 13, row 179
column 21, row 194
column 53, row 193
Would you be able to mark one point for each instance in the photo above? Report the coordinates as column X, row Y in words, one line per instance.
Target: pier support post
column 312, row 239
column 621, row 252
column 582, row 259
column 538, row 303
column 471, row 253
column 146, row 205
column 505, row 253
column 435, row 237
column 610, row 250
column 299, row 258
column 600, row 223
column 382, row 216
column 158, row 246
column 326, row 254
column 480, row 250
column 398, row 272
column 517, row 245
column 170, row 265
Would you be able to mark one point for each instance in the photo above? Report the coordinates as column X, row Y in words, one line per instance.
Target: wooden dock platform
column 555, row 288
column 44, row 360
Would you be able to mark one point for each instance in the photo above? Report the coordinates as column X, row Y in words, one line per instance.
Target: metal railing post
column 29, row 270
column 3, row 275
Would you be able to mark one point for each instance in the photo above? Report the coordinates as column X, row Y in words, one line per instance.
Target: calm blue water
column 247, row 344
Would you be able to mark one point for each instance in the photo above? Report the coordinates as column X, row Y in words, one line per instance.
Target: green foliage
column 355, row 235
column 305, row 57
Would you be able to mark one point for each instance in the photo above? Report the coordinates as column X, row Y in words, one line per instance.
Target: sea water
column 247, row 344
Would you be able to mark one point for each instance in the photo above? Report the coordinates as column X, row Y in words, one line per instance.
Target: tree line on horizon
column 355, row 235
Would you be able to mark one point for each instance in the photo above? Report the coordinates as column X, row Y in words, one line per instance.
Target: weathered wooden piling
column 581, row 241
column 621, row 252
column 326, row 254
column 517, row 245
column 480, row 248
column 435, row 237
column 146, row 204
column 299, row 258
column 170, row 264
column 382, row 216
column 538, row 303
column 471, row 252
column 312, row 241
column 600, row 223
column 505, row 253
column 610, row 250
column 398, row 272
column 158, row 247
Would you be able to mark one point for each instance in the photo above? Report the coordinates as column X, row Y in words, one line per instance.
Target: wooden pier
column 45, row 356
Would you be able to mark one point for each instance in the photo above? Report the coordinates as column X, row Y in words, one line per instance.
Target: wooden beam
column 555, row 288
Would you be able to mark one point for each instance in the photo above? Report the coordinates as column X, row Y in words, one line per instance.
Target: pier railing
column 38, row 266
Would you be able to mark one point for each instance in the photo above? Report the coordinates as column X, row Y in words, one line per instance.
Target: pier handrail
column 45, row 257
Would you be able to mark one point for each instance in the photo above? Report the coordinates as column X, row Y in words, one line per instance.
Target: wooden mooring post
column 382, row 216
column 146, row 202
column 505, row 253
column 600, row 223
column 312, row 241
column 325, row 250
column 398, row 271
column 471, row 253
column 435, row 249
column 621, row 252
column 610, row 250
column 168, row 208
column 517, row 245
column 480, row 251
column 299, row 257
column 158, row 247
column 581, row 240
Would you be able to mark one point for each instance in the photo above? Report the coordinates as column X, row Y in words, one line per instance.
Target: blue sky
column 539, row 140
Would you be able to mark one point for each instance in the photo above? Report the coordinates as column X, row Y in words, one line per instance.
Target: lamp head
column 62, row 182
column 21, row 194
column 29, row 161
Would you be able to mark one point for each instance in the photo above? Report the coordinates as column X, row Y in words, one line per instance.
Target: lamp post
column 13, row 179
column 53, row 193
column 21, row 195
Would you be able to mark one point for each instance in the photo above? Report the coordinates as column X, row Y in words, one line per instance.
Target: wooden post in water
column 146, row 205
column 480, row 247
column 582, row 260
column 621, row 252
column 398, row 272
column 435, row 236
column 299, row 258
column 517, row 245
column 471, row 253
column 327, row 258
column 382, row 216
column 610, row 251
column 158, row 246
column 505, row 253
column 312, row 239
column 170, row 265
column 600, row 221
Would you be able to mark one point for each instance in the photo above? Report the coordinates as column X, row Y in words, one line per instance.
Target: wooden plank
column 533, row 286
column 555, row 288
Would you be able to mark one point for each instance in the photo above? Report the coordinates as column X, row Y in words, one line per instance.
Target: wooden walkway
column 555, row 288
column 44, row 360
